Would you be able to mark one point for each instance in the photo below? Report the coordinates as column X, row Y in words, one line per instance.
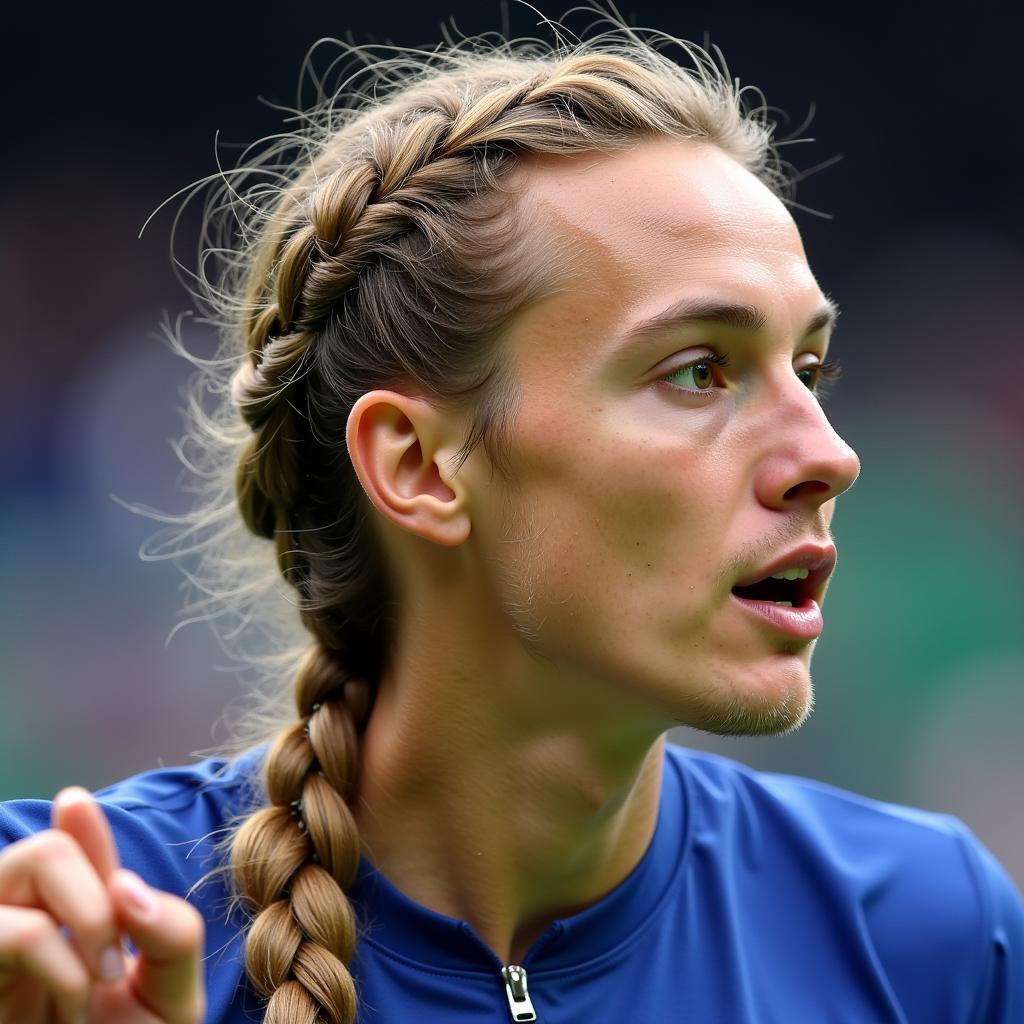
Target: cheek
column 619, row 512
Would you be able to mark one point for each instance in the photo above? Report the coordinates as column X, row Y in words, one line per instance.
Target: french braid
column 395, row 258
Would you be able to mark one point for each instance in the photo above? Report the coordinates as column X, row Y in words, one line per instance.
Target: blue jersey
column 762, row 897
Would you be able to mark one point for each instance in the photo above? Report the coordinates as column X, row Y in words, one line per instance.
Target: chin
column 752, row 712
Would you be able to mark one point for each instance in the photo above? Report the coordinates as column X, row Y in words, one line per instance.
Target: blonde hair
column 377, row 244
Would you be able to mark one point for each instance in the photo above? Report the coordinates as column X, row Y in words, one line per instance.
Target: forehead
column 643, row 227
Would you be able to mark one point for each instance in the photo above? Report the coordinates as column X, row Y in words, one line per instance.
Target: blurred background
column 917, row 232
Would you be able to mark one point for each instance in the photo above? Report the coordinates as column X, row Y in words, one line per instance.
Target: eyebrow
column 704, row 310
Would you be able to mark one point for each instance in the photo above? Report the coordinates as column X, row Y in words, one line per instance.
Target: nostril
column 807, row 487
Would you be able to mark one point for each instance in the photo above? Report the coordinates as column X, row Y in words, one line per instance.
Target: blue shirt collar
column 392, row 920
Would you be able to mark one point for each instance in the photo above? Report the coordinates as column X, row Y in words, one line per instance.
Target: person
column 522, row 375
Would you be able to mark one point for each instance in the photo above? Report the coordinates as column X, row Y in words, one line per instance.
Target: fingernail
column 112, row 964
column 72, row 795
column 138, row 893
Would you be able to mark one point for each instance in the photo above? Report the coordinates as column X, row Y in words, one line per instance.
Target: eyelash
column 828, row 373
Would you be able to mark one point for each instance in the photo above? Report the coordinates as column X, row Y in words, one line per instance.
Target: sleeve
column 22, row 818
column 940, row 914
column 162, row 821
column 140, row 834
column 1001, row 988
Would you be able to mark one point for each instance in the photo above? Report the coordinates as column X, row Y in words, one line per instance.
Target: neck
column 506, row 799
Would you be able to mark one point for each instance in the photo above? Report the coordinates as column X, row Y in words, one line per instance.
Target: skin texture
column 551, row 633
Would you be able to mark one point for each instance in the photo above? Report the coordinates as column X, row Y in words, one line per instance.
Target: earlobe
column 398, row 449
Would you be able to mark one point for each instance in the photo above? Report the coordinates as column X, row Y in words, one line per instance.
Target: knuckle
column 186, row 931
column 52, row 845
column 94, row 923
column 32, row 928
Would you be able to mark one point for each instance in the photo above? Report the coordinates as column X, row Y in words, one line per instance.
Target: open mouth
column 800, row 593
column 790, row 605
column 795, row 592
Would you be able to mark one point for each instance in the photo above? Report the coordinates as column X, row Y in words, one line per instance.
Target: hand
column 69, row 877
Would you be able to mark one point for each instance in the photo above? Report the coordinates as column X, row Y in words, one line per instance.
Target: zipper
column 519, row 1004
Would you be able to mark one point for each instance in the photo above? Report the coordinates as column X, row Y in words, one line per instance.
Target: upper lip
column 817, row 559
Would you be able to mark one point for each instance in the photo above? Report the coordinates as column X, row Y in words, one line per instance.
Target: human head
column 388, row 252
column 638, row 502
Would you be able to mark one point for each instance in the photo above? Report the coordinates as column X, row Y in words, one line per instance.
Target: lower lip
column 804, row 622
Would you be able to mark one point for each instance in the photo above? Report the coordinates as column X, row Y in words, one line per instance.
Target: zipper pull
column 519, row 1004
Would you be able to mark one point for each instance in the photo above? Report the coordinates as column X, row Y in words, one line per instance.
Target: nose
column 805, row 462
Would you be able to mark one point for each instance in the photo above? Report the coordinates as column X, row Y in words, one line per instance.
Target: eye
column 700, row 368
column 822, row 375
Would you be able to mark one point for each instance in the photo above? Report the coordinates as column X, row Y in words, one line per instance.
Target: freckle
column 648, row 565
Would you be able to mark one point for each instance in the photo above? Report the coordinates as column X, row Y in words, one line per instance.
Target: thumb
column 169, row 933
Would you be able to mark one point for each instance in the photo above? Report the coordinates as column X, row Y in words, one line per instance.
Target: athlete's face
column 641, row 502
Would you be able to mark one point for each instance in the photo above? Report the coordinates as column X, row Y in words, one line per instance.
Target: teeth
column 785, row 604
column 791, row 574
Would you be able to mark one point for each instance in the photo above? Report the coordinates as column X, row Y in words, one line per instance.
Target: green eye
column 700, row 368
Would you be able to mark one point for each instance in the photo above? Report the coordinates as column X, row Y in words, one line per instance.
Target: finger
column 31, row 943
column 49, row 872
column 76, row 812
column 169, row 934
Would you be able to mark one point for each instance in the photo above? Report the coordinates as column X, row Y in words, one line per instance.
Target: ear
column 400, row 447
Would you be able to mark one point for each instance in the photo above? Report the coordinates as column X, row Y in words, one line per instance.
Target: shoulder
column 838, row 822
column 164, row 820
column 933, row 899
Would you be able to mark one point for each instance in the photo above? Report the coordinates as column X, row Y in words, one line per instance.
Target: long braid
column 395, row 256
column 296, row 859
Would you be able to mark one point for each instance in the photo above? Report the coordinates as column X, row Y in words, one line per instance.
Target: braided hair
column 379, row 245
